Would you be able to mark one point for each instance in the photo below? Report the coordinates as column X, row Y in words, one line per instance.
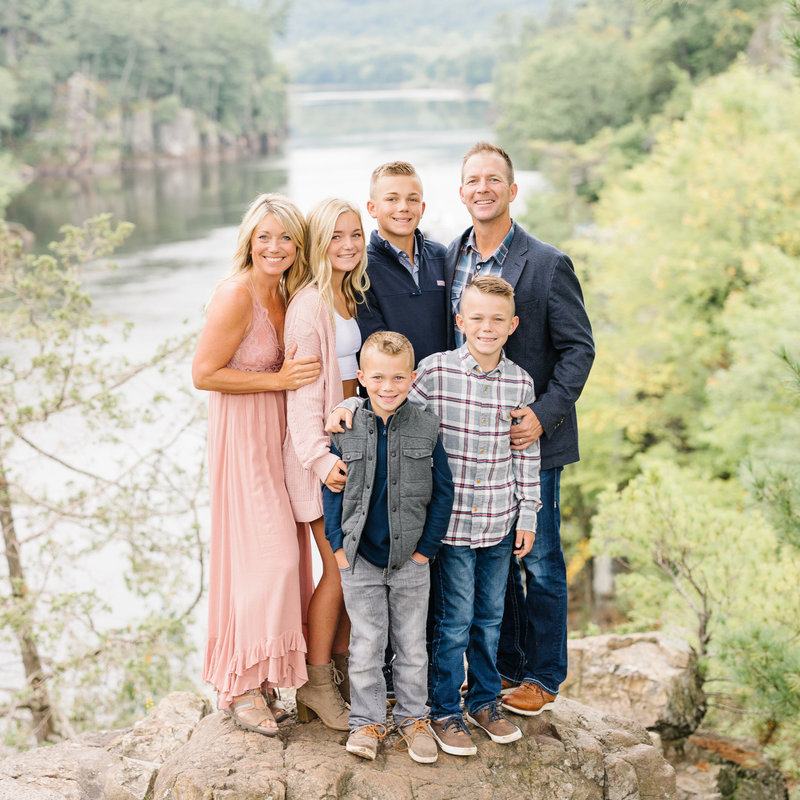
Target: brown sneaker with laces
column 528, row 699
column 364, row 741
column 418, row 740
column 453, row 736
column 496, row 724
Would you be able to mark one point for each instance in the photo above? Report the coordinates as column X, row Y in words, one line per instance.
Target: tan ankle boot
column 320, row 698
column 341, row 662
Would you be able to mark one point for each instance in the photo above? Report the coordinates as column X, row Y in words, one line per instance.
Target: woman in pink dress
column 260, row 571
column 321, row 321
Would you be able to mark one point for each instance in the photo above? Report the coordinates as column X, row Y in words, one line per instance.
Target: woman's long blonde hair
column 290, row 216
column 317, row 266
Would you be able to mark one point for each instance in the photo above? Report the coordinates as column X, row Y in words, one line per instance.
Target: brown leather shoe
column 528, row 699
column 507, row 686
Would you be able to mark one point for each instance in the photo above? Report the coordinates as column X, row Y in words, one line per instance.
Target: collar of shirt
column 499, row 255
column 413, row 269
column 471, row 366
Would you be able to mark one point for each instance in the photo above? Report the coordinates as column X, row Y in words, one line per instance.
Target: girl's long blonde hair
column 317, row 266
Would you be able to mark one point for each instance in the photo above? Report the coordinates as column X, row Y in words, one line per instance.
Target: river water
column 186, row 216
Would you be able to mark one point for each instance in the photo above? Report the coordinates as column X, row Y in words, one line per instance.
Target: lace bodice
column 259, row 350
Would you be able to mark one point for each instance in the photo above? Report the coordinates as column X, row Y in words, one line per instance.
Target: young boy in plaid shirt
column 473, row 389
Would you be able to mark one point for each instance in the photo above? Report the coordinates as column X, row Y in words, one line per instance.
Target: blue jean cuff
column 481, row 707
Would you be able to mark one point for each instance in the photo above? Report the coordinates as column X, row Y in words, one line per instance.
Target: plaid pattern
column 469, row 265
column 494, row 485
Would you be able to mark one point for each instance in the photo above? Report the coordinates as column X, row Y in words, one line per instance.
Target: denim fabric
column 383, row 603
column 468, row 589
column 533, row 640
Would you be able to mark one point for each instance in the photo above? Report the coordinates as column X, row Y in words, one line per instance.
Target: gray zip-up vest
column 411, row 438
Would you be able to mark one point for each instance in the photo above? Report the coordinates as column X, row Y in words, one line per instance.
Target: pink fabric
column 260, row 569
column 307, row 455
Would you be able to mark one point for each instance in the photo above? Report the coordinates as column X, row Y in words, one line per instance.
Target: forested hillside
column 98, row 81
column 671, row 134
column 367, row 44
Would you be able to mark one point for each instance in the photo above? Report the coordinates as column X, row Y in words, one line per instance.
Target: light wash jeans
column 382, row 603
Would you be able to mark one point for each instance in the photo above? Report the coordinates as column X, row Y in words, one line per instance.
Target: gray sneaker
column 418, row 741
column 496, row 724
column 364, row 741
column 453, row 736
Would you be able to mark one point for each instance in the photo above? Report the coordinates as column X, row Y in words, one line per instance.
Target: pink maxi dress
column 260, row 570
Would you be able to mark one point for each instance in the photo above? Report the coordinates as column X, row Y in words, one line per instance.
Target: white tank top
column 348, row 343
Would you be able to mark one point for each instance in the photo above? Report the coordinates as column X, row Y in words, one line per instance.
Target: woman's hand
column 297, row 372
column 337, row 477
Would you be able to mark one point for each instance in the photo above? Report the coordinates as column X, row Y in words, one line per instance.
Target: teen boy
column 383, row 530
column 474, row 390
column 406, row 271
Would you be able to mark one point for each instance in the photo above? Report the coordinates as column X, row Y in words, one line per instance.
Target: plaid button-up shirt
column 470, row 265
column 495, row 486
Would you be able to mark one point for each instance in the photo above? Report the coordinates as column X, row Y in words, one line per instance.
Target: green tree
column 94, row 481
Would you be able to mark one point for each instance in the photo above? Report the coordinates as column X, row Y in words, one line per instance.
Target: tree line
column 214, row 59
column 670, row 133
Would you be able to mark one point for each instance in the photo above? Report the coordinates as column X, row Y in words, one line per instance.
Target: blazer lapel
column 515, row 258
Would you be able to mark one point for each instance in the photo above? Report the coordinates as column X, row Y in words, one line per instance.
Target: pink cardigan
column 307, row 458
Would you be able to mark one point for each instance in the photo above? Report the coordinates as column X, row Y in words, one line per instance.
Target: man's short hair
column 488, row 147
column 391, row 168
column 390, row 343
column 492, row 284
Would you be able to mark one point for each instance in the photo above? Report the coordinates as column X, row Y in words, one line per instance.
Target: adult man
column 554, row 344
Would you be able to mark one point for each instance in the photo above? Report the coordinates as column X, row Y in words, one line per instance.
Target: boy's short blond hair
column 390, row 169
column 492, row 284
column 390, row 343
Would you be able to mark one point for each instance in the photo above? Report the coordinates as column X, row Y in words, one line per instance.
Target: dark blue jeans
column 468, row 586
column 533, row 638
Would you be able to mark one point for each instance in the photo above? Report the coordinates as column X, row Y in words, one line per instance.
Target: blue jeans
column 533, row 640
column 468, row 591
column 383, row 603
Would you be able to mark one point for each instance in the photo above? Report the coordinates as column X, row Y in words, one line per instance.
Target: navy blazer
column 553, row 341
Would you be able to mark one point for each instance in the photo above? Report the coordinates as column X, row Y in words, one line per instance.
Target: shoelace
column 407, row 736
column 495, row 713
column 375, row 730
column 457, row 723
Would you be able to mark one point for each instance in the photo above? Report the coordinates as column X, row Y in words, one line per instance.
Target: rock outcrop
column 181, row 753
column 648, row 677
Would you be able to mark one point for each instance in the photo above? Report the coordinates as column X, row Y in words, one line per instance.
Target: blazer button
column 394, row 509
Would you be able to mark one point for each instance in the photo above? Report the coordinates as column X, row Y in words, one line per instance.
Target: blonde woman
column 260, row 568
column 321, row 321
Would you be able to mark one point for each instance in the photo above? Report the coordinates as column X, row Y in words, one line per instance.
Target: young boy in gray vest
column 384, row 529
